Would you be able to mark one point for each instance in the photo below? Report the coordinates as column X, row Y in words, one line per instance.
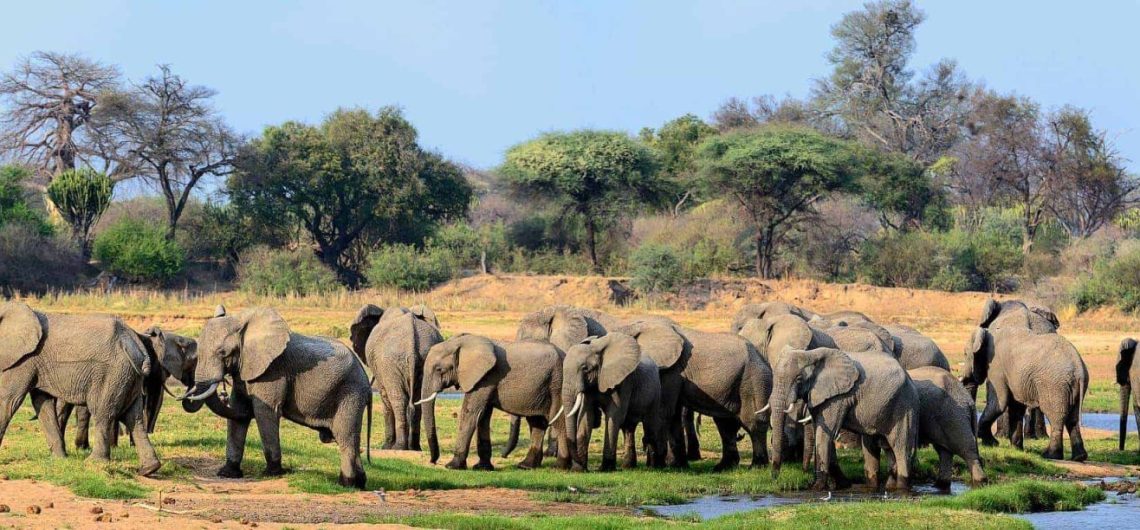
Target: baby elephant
column 947, row 419
column 523, row 378
column 611, row 375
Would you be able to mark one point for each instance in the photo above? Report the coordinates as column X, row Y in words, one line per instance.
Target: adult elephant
column 1127, row 376
column 866, row 393
column 720, row 375
column 313, row 381
column 915, row 350
column 1024, row 368
column 96, row 361
column 765, row 310
column 610, row 375
column 523, row 378
column 393, row 343
column 947, row 420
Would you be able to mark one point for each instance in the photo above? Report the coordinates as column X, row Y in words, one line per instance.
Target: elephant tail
column 368, row 429
column 1125, row 393
column 513, row 437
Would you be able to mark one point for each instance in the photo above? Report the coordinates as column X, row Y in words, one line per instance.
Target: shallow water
column 1117, row 511
column 1106, row 421
column 712, row 506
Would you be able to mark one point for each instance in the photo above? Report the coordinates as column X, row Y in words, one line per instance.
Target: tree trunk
column 592, row 243
column 760, row 255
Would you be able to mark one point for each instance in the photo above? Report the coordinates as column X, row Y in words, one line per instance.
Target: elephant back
column 21, row 330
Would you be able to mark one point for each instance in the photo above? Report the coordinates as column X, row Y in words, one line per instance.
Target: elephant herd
column 813, row 380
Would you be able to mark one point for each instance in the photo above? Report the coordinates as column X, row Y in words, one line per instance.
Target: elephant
column 95, row 361
column 1127, row 376
column 764, row 310
column 612, row 375
column 720, row 375
column 523, row 378
column 315, row 382
column 915, row 350
column 1027, row 368
column 393, row 343
column 866, row 393
column 948, row 420
column 861, row 337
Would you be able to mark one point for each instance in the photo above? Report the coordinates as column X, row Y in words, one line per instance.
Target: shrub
column 656, row 269
column 405, row 267
column 82, row 195
column 139, row 251
column 33, row 262
column 268, row 272
column 1114, row 281
column 14, row 207
column 955, row 260
column 472, row 247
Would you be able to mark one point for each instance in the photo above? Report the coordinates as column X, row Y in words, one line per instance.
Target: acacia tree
column 596, row 175
column 676, row 144
column 50, row 101
column 353, row 181
column 168, row 126
column 777, row 174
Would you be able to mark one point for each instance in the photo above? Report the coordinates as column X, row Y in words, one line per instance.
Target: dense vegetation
column 886, row 173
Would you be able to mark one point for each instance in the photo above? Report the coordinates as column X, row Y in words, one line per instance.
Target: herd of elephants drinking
column 808, row 378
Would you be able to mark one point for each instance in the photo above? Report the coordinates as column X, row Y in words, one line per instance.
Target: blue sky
column 477, row 77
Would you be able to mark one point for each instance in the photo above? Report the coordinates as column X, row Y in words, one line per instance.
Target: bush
column 139, row 251
column 14, row 206
column 656, row 269
column 955, row 260
column 1114, row 281
column 405, row 267
column 472, row 247
column 33, row 262
column 268, row 272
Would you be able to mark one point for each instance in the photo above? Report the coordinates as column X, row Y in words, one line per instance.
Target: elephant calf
column 948, row 420
column 523, row 378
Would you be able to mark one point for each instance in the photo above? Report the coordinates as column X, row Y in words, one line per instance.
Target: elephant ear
column 476, row 359
column 658, row 342
column 568, row 328
column 361, row 327
column 264, row 337
column 167, row 354
column 833, row 373
column 620, row 357
column 977, row 353
column 790, row 331
column 1047, row 315
column 536, row 326
column 1124, row 361
column 20, row 333
column 425, row 313
column 746, row 313
column 989, row 313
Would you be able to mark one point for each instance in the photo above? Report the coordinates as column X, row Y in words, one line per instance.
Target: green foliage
column 139, row 251
column 33, row 262
column 1114, row 281
column 81, row 195
column 267, row 272
column 408, row 268
column 472, row 247
column 14, row 206
column 656, row 269
column 676, row 145
column 899, row 187
column 956, row 260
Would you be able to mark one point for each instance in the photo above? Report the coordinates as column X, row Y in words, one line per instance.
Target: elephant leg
column 535, row 453
column 629, row 457
column 269, row 427
column 1016, row 414
column 945, row 468
column 614, row 419
column 1135, row 413
column 104, row 423
column 1036, row 427
column 757, row 436
column 14, row 385
column 581, row 452
column 692, row 438
column 62, row 416
column 236, row 431
column 346, row 428
column 824, row 452
column 82, row 428
column 45, row 408
column 551, row 446
column 871, row 462
column 469, row 414
column 678, row 458
column 416, row 412
column 135, row 419
column 558, row 431
column 389, row 422
column 989, row 415
column 1076, row 441
column 902, row 441
column 483, row 441
column 398, row 402
column 730, row 453
column 808, row 446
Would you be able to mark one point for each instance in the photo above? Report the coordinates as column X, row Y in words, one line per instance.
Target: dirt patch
column 1096, row 469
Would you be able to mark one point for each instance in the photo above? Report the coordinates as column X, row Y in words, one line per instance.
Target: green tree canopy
column 352, row 182
column 597, row 175
column 81, row 195
column 14, row 205
column 776, row 173
column 676, row 145
column 900, row 189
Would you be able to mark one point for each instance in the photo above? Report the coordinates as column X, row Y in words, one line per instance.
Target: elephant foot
column 526, row 464
column 608, row 464
column 1079, row 454
column 83, row 446
column 820, row 483
column 759, row 461
column 562, row 463
column 230, row 470
column 456, row 463
column 989, row 442
column 628, row 464
column 387, row 445
column 149, row 468
column 98, row 458
column 483, row 466
column 943, row 484
column 899, row 484
column 273, row 469
column 359, row 482
column 1053, row 454
column 727, row 462
column 326, row 436
column 578, row 467
column 693, row 456
column 416, row 447
column 873, row 483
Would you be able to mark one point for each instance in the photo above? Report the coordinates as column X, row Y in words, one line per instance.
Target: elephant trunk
column 578, row 452
column 1125, row 393
column 779, row 417
column 809, row 442
column 431, row 385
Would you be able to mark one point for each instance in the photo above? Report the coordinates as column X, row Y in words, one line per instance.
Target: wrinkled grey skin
column 96, row 361
column 313, row 381
column 610, row 375
column 1025, row 368
column 764, row 310
column 861, row 337
column 947, row 421
column 915, row 350
column 566, row 326
column 1127, row 376
column 866, row 393
column 393, row 343
column 523, row 378
column 174, row 356
column 720, row 375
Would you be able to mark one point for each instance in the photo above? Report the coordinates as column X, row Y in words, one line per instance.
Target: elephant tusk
column 428, row 399
column 207, row 393
column 577, row 405
column 805, row 419
column 557, row 414
column 765, row 409
column 790, row 407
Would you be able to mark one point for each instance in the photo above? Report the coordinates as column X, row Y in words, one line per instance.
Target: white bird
column 572, row 489
column 827, row 498
column 383, row 495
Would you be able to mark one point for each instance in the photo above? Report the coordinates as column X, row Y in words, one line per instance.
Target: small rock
column 216, row 520
column 253, row 524
column 4, row 508
column 243, row 521
column 125, row 515
column 34, row 510
column 96, row 510
column 50, row 505
column 168, row 500
column 104, row 518
column 454, row 414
